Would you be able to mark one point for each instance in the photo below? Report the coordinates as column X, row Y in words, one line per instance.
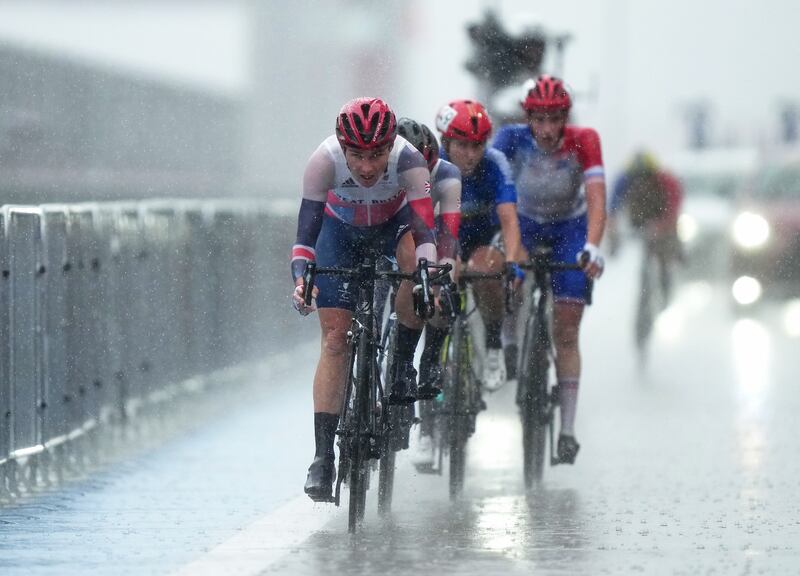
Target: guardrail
column 106, row 306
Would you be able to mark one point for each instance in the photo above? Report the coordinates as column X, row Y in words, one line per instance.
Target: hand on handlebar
column 298, row 299
column 591, row 260
column 514, row 273
column 427, row 274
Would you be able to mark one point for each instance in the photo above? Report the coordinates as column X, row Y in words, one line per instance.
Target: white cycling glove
column 594, row 255
column 300, row 305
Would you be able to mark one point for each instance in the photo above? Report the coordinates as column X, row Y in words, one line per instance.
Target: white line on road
column 264, row 541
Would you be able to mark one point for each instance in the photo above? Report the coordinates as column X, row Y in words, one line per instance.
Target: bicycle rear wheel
column 458, row 372
column 645, row 310
column 533, row 401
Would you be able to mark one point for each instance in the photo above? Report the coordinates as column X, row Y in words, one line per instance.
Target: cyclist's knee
column 487, row 260
column 566, row 338
column 334, row 341
column 406, row 257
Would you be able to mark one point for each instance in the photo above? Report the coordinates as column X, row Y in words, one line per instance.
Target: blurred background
column 211, row 98
column 690, row 454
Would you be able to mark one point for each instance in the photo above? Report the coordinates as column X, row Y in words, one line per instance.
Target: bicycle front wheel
column 459, row 375
column 532, row 400
column 390, row 424
column 645, row 310
column 360, row 440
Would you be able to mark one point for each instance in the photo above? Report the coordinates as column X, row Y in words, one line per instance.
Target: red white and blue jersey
column 550, row 186
column 329, row 187
column 358, row 205
column 446, row 198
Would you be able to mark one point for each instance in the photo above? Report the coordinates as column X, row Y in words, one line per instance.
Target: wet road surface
column 689, row 465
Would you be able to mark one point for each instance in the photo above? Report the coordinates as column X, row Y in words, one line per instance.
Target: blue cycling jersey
column 489, row 184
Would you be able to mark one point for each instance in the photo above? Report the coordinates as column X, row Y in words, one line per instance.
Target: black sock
column 493, row 332
column 325, row 425
column 407, row 340
column 434, row 338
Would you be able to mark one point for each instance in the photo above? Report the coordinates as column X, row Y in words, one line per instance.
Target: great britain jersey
column 446, row 197
column 550, row 186
column 329, row 187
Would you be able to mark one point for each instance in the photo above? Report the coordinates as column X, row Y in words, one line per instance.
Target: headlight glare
column 750, row 230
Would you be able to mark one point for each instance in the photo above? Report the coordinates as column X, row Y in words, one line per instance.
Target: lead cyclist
column 364, row 189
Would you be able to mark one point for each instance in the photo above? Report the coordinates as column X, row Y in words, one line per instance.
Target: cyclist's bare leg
column 491, row 304
column 329, row 380
column 430, row 365
column 409, row 329
column 511, row 323
column 566, row 328
column 489, row 295
column 404, row 304
column 329, row 386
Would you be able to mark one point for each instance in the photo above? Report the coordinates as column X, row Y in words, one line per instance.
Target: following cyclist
column 488, row 206
column 446, row 198
column 559, row 175
column 363, row 189
column 652, row 199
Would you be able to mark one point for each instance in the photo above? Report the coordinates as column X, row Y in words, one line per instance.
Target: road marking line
column 263, row 542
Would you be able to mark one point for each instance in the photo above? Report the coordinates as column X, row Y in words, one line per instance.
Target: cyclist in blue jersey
column 364, row 188
column 488, row 206
column 559, row 176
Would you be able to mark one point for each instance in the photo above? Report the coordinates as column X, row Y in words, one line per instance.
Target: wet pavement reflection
column 689, row 464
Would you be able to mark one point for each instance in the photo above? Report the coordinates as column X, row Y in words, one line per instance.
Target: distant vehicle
column 765, row 234
column 710, row 178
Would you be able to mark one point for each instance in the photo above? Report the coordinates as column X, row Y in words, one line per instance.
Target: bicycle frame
column 361, row 423
column 462, row 396
column 535, row 397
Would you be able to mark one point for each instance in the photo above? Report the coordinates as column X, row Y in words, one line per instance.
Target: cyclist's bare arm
column 596, row 210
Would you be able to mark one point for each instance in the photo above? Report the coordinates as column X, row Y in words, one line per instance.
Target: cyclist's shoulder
column 669, row 180
column 405, row 156
column 445, row 170
column 323, row 164
column 496, row 165
column 584, row 142
column 512, row 133
column 580, row 135
column 328, row 149
column 494, row 160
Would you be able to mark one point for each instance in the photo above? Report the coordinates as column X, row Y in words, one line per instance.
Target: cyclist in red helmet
column 560, row 180
column 488, row 213
column 363, row 189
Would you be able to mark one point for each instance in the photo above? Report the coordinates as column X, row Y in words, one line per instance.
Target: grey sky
column 633, row 63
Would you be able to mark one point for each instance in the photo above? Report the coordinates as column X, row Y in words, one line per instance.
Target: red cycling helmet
column 547, row 94
column 366, row 123
column 464, row 120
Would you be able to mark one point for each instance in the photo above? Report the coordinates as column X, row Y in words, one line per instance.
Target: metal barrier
column 104, row 307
